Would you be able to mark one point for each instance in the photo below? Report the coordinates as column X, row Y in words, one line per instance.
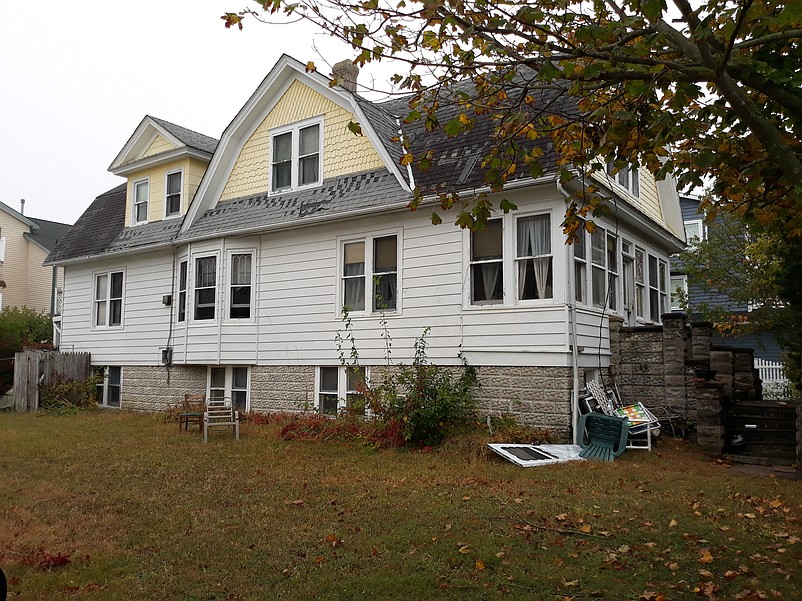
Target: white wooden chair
column 220, row 414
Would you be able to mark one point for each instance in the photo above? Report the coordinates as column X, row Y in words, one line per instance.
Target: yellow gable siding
column 157, row 176
column 14, row 271
column 649, row 201
column 159, row 144
column 343, row 152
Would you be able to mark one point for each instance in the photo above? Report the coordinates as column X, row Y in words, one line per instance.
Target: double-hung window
column 205, row 287
column 626, row 177
column 679, row 291
column 172, row 193
column 604, row 269
column 487, row 264
column 370, row 266
column 296, row 157
column 580, row 265
column 341, row 388
column 694, row 232
column 141, row 197
column 533, row 257
column 240, row 276
column 640, row 283
column 182, row 291
column 108, row 299
column 658, row 288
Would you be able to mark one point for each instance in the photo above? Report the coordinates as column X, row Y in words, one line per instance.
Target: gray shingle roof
column 100, row 224
column 49, row 232
column 335, row 197
column 191, row 138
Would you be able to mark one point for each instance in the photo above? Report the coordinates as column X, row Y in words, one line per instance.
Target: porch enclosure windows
column 604, row 269
column 296, row 157
column 240, row 286
column 640, row 283
column 172, row 198
column 205, row 287
column 533, row 257
column 658, row 288
column 487, row 265
column 230, row 382
column 182, row 291
column 580, row 266
column 340, row 388
column 107, row 392
column 379, row 267
column 108, row 299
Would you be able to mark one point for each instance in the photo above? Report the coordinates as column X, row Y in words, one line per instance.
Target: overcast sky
column 76, row 78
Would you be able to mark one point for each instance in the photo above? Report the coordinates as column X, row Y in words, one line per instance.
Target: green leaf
column 507, row 206
column 355, row 128
column 436, row 220
column 652, row 9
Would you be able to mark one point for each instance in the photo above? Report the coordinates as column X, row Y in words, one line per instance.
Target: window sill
column 533, row 305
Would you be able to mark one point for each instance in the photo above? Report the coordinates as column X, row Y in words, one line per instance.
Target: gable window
column 296, row 157
column 107, row 392
column 694, row 232
column 379, row 266
column 230, row 382
column 626, row 177
column 205, row 287
column 141, row 197
column 172, row 188
column 240, row 286
column 182, row 291
column 109, row 299
column 534, row 257
column 487, row 269
column 340, row 389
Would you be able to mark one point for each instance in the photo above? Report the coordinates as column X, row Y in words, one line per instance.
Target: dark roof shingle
column 191, row 138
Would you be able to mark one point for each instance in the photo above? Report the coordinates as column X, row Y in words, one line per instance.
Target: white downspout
column 571, row 302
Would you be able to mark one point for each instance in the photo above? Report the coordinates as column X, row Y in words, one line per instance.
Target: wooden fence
column 35, row 369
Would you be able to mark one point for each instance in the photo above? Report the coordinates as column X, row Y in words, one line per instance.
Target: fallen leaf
column 672, row 524
column 730, row 574
column 585, row 528
column 706, row 574
column 465, row 549
column 480, row 565
column 706, row 557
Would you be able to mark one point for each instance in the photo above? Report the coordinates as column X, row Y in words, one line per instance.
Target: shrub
column 20, row 327
column 65, row 396
column 321, row 428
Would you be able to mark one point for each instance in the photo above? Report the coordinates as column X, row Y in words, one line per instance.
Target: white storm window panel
column 354, row 276
column 487, row 265
column 182, row 291
column 534, row 257
column 385, row 273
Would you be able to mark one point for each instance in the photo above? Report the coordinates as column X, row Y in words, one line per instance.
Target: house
column 231, row 277
column 767, row 351
column 25, row 243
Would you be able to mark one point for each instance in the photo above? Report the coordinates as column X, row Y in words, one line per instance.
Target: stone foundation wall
column 536, row 396
column 148, row 388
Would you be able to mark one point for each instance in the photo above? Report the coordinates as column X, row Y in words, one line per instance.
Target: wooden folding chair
column 192, row 411
column 220, row 414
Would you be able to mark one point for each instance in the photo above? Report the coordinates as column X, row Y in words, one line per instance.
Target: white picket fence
column 776, row 386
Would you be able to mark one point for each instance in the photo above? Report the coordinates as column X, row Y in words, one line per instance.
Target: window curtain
column 355, row 293
column 240, row 270
column 490, row 275
column 534, row 240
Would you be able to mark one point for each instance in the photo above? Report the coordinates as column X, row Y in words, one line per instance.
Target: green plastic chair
column 601, row 436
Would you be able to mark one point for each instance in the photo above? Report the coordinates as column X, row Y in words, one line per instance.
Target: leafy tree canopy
column 710, row 91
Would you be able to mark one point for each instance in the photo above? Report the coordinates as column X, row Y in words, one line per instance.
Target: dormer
column 164, row 164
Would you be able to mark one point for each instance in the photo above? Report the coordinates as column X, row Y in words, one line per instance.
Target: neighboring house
column 25, row 242
column 225, row 267
column 768, row 353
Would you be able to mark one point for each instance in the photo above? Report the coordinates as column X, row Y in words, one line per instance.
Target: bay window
column 205, row 287
column 533, row 257
column 240, row 286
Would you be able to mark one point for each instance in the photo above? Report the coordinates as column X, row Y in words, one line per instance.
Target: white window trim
column 683, row 286
column 702, row 231
column 368, row 240
column 134, row 203
column 295, row 128
column 229, row 383
column 177, row 302
column 227, row 288
column 509, row 270
column 108, row 300
column 632, row 187
column 191, row 289
column 167, row 174
column 342, row 387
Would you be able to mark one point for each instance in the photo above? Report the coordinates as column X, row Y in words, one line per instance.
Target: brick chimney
column 345, row 72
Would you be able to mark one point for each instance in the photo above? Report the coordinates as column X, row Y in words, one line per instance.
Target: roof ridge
column 161, row 121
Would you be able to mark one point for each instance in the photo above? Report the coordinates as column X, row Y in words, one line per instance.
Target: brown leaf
column 672, row 524
column 706, row 557
column 480, row 565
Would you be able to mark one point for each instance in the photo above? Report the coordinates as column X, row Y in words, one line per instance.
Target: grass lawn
column 114, row 505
